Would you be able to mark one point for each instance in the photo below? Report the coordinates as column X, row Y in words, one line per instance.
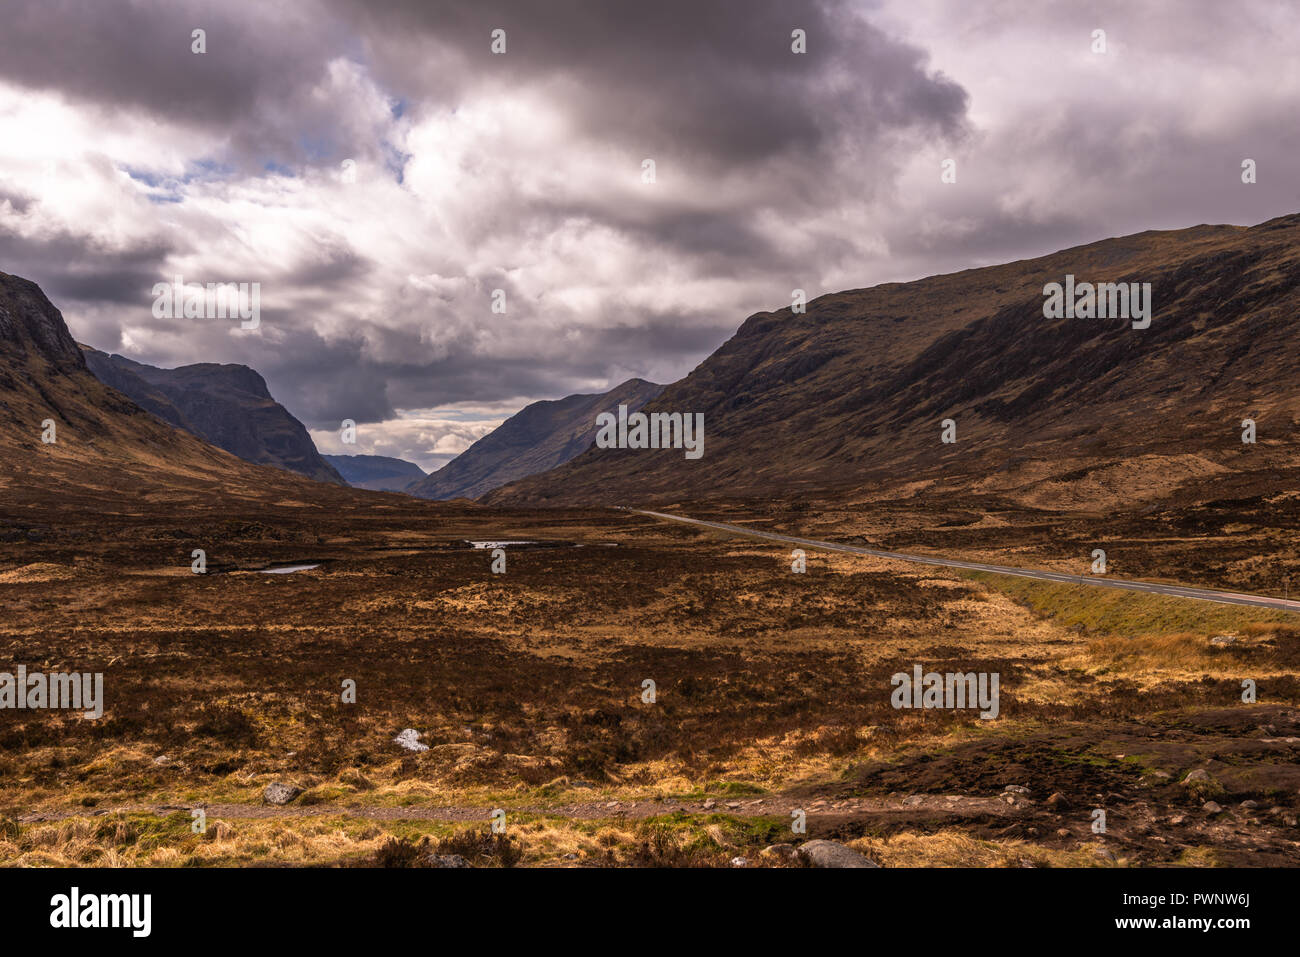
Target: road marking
column 1176, row 591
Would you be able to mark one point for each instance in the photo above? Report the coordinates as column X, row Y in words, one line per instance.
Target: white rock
column 410, row 740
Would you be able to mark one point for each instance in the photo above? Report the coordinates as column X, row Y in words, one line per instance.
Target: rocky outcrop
column 229, row 406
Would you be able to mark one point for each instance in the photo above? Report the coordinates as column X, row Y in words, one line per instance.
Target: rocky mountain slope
column 108, row 454
column 1084, row 413
column 226, row 405
column 538, row 437
column 381, row 473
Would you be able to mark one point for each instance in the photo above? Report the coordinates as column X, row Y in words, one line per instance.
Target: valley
column 355, row 677
column 773, row 698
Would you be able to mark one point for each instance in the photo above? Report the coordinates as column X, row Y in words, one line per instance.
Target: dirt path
column 1141, row 834
column 912, row 809
column 1044, row 787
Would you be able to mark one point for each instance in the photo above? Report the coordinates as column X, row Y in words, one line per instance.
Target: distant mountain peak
column 107, row 450
column 30, row 324
column 540, row 436
column 226, row 404
column 380, row 473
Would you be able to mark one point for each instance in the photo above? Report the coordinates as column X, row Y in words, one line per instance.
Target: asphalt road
column 1097, row 581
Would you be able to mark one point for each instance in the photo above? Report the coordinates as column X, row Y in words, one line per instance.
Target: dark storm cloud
column 715, row 81
column 140, row 56
column 71, row 267
column 324, row 382
column 666, row 338
column 19, row 202
column 613, row 355
column 332, row 266
column 459, row 377
column 647, row 350
column 320, row 381
column 720, row 243
column 250, row 85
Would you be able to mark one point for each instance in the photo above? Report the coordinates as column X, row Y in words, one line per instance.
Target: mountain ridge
column 107, row 454
column 380, row 473
column 851, row 394
column 225, row 404
column 539, row 436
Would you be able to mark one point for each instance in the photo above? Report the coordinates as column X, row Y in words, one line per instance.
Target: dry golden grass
column 526, row 688
column 951, row 848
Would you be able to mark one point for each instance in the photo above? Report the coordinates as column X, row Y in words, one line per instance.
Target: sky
column 386, row 176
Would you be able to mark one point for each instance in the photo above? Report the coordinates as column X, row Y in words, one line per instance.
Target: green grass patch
column 1110, row 611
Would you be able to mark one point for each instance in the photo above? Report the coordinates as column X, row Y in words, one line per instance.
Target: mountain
column 848, row 398
column 538, row 437
column 378, row 472
column 108, row 453
column 226, row 405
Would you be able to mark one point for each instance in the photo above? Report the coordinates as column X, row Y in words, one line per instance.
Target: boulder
column 278, row 793
column 833, row 854
column 783, row 852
